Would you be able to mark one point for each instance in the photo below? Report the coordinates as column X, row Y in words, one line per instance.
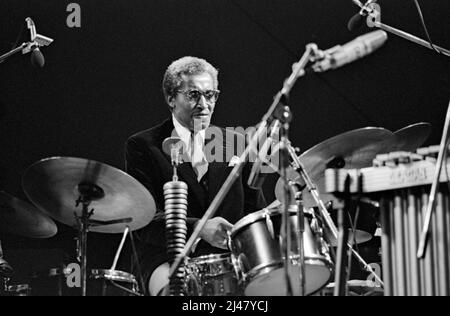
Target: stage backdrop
column 102, row 77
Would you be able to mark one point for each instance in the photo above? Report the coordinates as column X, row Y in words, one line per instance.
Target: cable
column 422, row 20
column 16, row 44
column 294, row 55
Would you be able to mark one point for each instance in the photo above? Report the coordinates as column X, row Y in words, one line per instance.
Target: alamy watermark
column 229, row 144
column 74, row 18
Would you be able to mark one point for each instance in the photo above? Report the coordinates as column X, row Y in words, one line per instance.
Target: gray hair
column 186, row 66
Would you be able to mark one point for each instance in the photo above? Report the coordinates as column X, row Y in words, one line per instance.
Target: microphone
column 37, row 58
column 175, row 215
column 360, row 47
column 357, row 20
column 174, row 147
column 37, row 40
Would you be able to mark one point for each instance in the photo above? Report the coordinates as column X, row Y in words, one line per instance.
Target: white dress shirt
column 194, row 145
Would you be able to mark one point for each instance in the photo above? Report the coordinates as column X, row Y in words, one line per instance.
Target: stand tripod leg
column 341, row 257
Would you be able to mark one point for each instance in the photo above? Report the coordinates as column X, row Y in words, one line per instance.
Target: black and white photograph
column 235, row 149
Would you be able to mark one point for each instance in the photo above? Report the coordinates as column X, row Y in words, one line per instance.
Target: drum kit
column 88, row 196
column 93, row 197
column 256, row 264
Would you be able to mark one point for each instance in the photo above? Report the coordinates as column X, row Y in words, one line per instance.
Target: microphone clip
column 37, row 40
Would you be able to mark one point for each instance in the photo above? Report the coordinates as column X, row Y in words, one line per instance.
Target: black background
column 102, row 82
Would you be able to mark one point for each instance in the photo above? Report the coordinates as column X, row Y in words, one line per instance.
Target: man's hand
column 215, row 232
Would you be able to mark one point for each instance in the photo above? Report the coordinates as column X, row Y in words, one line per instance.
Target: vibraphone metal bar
column 404, row 193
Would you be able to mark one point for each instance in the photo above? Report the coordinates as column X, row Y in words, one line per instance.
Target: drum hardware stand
column 374, row 20
column 298, row 166
column 342, row 257
column 297, row 71
column 89, row 192
column 300, row 241
column 116, row 259
column 285, row 116
column 424, row 236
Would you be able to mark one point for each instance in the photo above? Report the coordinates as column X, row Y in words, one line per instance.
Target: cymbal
column 353, row 149
column 361, row 236
column 18, row 217
column 358, row 288
column 54, row 185
column 409, row 138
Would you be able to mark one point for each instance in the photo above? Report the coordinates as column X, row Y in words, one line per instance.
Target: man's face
column 194, row 103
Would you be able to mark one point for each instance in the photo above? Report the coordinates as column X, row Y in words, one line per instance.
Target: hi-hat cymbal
column 353, row 149
column 54, row 186
column 18, row 217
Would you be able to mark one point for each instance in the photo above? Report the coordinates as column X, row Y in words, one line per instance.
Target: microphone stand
column 297, row 71
column 22, row 48
column 424, row 236
column 374, row 20
column 298, row 166
column 37, row 40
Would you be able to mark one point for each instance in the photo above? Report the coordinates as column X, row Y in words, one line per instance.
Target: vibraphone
column 402, row 183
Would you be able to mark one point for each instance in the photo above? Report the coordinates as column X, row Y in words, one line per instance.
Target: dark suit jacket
column 146, row 161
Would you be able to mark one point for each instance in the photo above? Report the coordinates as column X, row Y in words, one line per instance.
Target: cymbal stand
column 297, row 71
column 298, row 166
column 286, row 243
column 126, row 232
column 341, row 257
column 83, row 223
column 89, row 192
column 300, row 241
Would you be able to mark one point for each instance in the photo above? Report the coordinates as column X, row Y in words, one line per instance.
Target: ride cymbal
column 54, row 185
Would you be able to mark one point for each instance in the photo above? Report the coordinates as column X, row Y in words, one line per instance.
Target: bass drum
column 255, row 243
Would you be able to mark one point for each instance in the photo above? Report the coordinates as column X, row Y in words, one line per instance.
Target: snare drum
column 100, row 283
column 18, row 290
column 112, row 283
column 212, row 275
column 13, row 290
column 255, row 242
column 52, row 282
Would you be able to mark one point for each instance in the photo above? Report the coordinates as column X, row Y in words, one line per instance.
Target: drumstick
column 274, row 204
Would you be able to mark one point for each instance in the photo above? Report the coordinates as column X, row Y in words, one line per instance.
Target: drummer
column 190, row 87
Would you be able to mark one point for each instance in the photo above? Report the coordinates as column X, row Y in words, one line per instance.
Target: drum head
column 113, row 275
column 210, row 258
column 260, row 215
column 273, row 283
